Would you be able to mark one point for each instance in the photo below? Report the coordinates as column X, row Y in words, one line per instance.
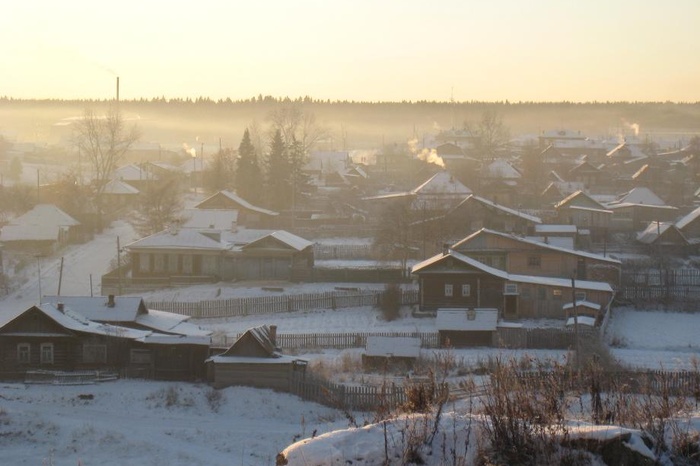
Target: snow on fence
column 334, row 340
column 342, row 251
column 364, row 398
column 234, row 307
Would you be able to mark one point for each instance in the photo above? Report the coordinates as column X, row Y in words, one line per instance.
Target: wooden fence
column 342, row 251
column 362, row 398
column 234, row 307
column 660, row 286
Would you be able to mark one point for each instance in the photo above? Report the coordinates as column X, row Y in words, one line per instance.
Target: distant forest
column 353, row 125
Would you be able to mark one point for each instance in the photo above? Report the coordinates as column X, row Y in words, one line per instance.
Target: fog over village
column 350, row 233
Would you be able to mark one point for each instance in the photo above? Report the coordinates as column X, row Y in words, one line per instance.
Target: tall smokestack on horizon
column 117, row 88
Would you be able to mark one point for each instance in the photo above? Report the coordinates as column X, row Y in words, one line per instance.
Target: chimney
column 273, row 335
column 110, row 301
column 445, row 249
column 59, row 306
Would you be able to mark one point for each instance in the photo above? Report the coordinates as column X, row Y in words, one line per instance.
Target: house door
column 510, row 306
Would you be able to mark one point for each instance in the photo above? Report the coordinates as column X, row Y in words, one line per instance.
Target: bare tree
column 294, row 123
column 490, row 133
column 103, row 141
column 159, row 207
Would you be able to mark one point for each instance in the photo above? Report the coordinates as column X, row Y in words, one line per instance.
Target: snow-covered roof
column 575, row 252
column 442, row 183
column 688, row 218
column 582, row 320
column 120, row 187
column 42, row 223
column 517, row 213
column 327, row 161
column 97, row 308
column 240, row 201
column 655, row 230
column 530, row 279
column 132, row 172
column 480, row 320
column 591, row 209
column 165, row 339
column 75, row 321
column 568, row 229
column 500, row 168
column 209, row 219
column 184, row 238
column 638, row 196
column 170, row 322
column 574, row 195
column 582, row 303
column 562, row 134
column 401, row 347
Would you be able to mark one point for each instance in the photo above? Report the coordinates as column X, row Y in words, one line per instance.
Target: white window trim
column 510, row 289
column 449, row 291
column 29, row 353
column 44, row 360
column 466, row 290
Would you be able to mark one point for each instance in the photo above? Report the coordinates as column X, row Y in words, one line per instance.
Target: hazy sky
column 578, row 50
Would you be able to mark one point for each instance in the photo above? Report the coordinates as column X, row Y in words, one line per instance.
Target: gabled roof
column 209, row 219
column 97, row 308
column 289, row 239
column 492, row 205
column 516, row 278
column 261, row 337
column 42, row 223
column 579, row 195
column 500, row 168
column 120, row 187
column 236, row 199
column 564, row 188
column 132, row 172
column 442, row 183
column 485, row 231
column 584, row 165
column 184, row 238
column 638, row 196
column 688, row 218
column 172, row 323
column 657, row 231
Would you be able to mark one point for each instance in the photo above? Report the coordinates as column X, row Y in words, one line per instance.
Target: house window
column 144, row 262
column 466, row 290
column 187, row 264
column 534, row 261
column 46, row 353
column 94, row 353
column 511, row 288
column 140, row 356
column 580, row 296
column 556, row 294
column 448, row 290
column 158, row 262
column 23, row 353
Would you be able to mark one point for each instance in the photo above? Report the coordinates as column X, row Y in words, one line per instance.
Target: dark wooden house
column 53, row 337
column 476, row 212
column 254, row 361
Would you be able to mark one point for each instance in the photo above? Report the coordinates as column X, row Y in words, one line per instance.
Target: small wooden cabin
column 461, row 328
column 391, row 352
column 253, row 361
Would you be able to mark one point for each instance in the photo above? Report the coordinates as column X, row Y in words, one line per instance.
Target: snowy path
column 80, row 261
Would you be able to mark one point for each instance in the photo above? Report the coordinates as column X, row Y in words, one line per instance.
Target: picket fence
column 234, row 307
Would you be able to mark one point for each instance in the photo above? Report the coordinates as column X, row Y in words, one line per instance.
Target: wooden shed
column 391, row 352
column 254, row 361
column 462, row 328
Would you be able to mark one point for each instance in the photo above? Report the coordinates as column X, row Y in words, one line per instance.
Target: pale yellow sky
column 517, row 50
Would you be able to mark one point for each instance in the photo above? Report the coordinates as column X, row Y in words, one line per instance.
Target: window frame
column 43, row 359
column 20, row 353
column 468, row 288
column 449, row 290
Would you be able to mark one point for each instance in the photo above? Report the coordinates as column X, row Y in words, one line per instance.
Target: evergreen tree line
column 273, row 179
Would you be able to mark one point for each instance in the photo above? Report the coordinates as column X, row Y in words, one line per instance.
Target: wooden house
column 52, row 337
column 518, row 255
column 634, row 210
column 40, row 231
column 461, row 328
column 586, row 213
column 663, row 238
column 249, row 215
column 452, row 280
column 587, row 174
column 476, row 212
column 689, row 225
column 391, row 353
column 254, row 361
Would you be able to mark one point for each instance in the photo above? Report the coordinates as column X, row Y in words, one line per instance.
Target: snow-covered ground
column 128, row 421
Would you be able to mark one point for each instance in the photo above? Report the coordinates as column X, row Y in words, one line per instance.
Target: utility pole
column 576, row 338
column 38, row 266
column 119, row 269
column 60, row 278
column 91, row 285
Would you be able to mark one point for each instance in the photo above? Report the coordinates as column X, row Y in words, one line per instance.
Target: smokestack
column 117, row 88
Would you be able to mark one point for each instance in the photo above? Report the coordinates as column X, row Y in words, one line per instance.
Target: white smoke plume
column 431, row 156
column 189, row 150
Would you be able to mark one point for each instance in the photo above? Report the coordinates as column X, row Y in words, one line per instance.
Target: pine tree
column 279, row 174
column 301, row 185
column 248, row 175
